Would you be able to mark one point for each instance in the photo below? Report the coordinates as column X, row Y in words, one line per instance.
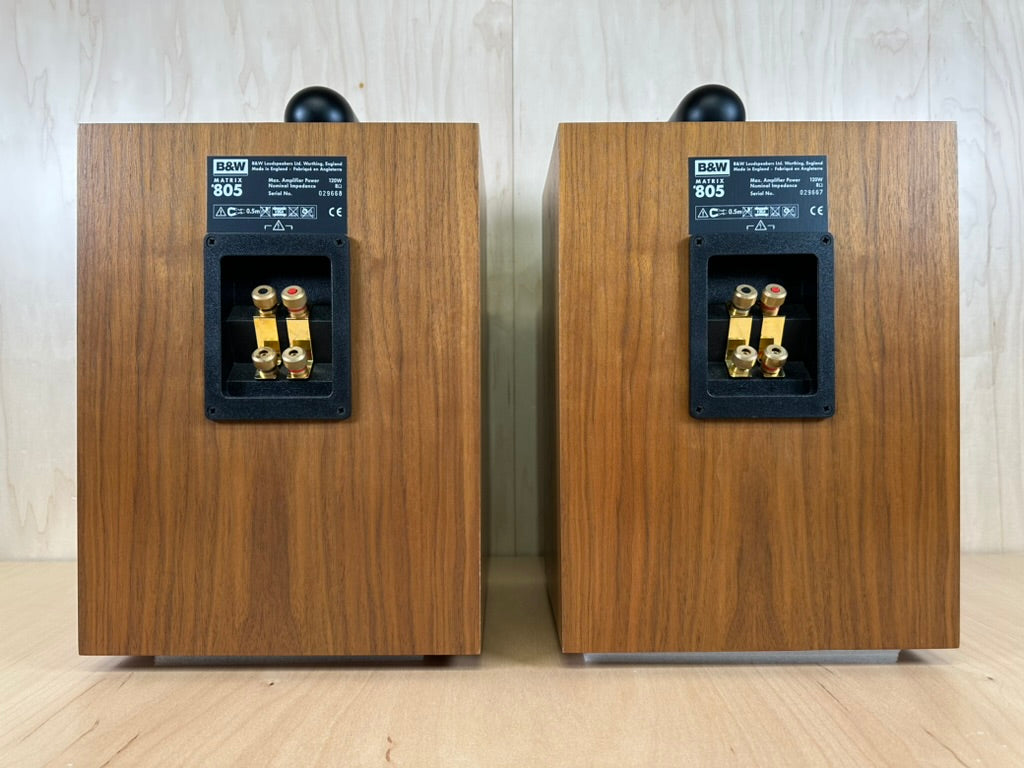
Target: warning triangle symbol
column 702, row 213
column 278, row 226
column 760, row 227
column 221, row 212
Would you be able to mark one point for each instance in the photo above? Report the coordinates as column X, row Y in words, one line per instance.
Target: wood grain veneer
column 278, row 538
column 673, row 534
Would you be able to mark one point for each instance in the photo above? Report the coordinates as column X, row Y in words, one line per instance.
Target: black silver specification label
column 758, row 194
column 268, row 195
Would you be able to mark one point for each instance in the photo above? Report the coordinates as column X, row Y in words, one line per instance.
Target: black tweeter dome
column 318, row 104
column 708, row 104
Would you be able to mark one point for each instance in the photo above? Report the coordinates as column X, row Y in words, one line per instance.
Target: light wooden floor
column 522, row 703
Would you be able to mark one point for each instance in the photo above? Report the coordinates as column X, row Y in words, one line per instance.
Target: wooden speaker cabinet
column 339, row 515
column 679, row 523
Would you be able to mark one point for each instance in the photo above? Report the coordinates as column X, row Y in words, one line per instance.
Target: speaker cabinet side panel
column 548, row 390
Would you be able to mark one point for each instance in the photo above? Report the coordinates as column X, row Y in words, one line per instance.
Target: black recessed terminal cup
column 803, row 262
column 235, row 264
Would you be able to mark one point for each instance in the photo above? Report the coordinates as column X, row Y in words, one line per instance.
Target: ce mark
column 817, row 210
column 336, row 212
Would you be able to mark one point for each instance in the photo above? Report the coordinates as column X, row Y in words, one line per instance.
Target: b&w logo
column 230, row 166
column 711, row 167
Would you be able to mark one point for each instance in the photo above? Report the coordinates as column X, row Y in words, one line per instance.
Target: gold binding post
column 741, row 361
column 772, row 298
column 743, row 298
column 294, row 299
column 774, row 358
column 296, row 363
column 264, row 359
column 772, row 323
column 264, row 298
column 740, row 321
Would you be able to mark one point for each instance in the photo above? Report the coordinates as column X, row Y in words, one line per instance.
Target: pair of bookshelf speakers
column 748, row 395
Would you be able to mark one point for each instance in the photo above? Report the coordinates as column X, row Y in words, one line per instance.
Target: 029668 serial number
column 330, row 193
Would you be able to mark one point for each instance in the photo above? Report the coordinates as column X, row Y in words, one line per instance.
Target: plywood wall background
column 517, row 67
